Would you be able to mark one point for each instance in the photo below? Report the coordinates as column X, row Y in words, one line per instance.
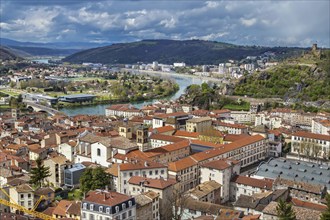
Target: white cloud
column 168, row 23
column 248, row 22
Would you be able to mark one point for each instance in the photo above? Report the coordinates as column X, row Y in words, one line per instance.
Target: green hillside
column 192, row 52
column 303, row 79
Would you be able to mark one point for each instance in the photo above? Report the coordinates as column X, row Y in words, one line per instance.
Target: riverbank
column 204, row 78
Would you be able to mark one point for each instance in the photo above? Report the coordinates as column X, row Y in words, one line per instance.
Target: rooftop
column 307, row 172
column 204, row 189
column 108, row 198
column 152, row 183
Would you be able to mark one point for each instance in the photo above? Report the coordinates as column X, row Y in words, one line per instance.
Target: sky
column 264, row 23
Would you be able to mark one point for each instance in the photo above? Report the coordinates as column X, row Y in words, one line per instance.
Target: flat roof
column 79, row 96
column 295, row 170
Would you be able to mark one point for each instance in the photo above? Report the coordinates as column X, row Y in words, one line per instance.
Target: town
column 165, row 160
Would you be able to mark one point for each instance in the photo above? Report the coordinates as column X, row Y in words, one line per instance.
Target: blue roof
column 79, row 96
column 295, row 170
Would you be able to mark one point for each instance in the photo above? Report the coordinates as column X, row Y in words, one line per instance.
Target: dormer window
column 85, row 206
column 107, row 210
column 117, row 209
column 91, row 207
column 101, row 209
column 123, row 206
column 129, row 203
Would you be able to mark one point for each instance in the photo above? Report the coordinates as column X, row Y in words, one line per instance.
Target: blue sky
column 266, row 23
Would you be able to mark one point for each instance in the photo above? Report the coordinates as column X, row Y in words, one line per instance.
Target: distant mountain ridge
column 52, row 45
column 7, row 54
column 192, row 52
column 47, row 49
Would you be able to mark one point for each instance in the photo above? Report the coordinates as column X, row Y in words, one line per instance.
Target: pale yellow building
column 198, row 124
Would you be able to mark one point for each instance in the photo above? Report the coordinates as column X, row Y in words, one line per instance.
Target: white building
column 179, row 64
column 23, row 195
column 222, row 68
column 123, row 110
column 146, row 169
column 68, row 150
column 243, row 185
column 220, row 171
column 320, row 126
column 243, row 117
column 107, row 205
column 310, row 144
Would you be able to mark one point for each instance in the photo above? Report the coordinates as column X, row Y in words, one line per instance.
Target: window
column 124, row 215
column 91, row 216
column 129, row 213
column 129, row 203
column 22, row 203
column 91, row 207
column 29, row 203
column 85, row 206
column 98, row 152
column 156, row 172
column 150, row 172
column 29, row 195
column 107, row 210
column 101, row 209
column 117, row 209
column 130, row 174
column 123, row 206
column 22, row 196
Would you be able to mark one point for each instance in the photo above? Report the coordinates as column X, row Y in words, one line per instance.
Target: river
column 182, row 80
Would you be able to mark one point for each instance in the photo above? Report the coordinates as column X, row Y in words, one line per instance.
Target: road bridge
column 41, row 108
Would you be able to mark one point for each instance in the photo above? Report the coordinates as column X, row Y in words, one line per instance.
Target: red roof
column 312, row 135
column 182, row 164
column 108, row 198
column 165, row 138
column 249, row 181
column 186, row 134
column 220, row 164
column 309, row 205
column 164, row 129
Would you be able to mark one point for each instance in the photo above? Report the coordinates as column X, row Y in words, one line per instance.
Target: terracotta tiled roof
column 221, row 111
column 108, row 198
column 180, row 133
column 182, row 164
column 248, row 181
column 167, row 138
column 227, row 148
column 164, row 129
column 140, row 165
column 113, row 170
column 152, row 183
column 175, row 114
column 309, row 205
column 62, row 207
column 220, row 164
column 234, row 137
column 312, row 135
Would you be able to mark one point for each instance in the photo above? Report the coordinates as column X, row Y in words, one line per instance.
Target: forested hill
column 192, row 52
column 7, row 54
column 302, row 79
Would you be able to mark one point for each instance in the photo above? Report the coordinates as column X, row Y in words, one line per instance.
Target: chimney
column 145, row 163
column 105, row 196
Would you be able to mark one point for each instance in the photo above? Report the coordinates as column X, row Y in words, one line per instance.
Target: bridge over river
column 41, row 108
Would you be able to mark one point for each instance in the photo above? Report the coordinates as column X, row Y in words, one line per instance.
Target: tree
column 284, row 211
column 326, row 215
column 94, row 178
column 39, row 173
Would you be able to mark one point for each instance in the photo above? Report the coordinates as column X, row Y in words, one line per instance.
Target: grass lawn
column 87, row 79
column 233, row 107
column 4, row 107
column 75, row 194
column 11, row 93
